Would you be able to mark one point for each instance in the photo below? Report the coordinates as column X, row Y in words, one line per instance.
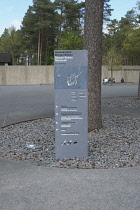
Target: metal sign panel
column 71, row 103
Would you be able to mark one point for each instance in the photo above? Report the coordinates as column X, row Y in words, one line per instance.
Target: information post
column 71, row 103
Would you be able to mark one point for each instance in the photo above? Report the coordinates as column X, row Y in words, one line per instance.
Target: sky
column 13, row 11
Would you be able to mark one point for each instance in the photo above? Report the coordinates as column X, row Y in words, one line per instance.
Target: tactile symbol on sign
column 72, row 80
column 69, row 142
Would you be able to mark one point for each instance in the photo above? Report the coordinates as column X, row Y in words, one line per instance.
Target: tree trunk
column 47, row 41
column 93, row 43
column 38, row 62
column 40, row 52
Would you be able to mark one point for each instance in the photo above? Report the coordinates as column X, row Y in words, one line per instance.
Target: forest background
column 48, row 26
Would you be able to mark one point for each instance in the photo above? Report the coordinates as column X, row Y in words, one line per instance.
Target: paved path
column 28, row 187
column 21, row 103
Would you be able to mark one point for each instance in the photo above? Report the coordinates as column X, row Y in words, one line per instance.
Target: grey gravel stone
column 117, row 144
column 121, row 102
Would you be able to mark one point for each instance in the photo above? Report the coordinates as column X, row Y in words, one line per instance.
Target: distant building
column 5, row 59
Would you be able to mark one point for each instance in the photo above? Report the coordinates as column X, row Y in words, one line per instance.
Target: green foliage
column 112, row 60
column 71, row 40
column 107, row 11
column 5, row 45
column 39, row 27
column 49, row 25
column 132, row 41
column 11, row 42
column 131, row 46
column 124, row 36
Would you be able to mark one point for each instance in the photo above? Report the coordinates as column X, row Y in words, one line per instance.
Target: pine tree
column 93, row 43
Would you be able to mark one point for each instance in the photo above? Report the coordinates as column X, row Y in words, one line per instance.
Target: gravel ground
column 117, row 144
column 126, row 102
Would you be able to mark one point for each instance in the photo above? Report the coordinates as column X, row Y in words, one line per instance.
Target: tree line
column 49, row 25
column 121, row 45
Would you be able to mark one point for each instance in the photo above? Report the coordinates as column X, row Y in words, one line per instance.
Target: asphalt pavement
column 22, row 103
column 30, row 187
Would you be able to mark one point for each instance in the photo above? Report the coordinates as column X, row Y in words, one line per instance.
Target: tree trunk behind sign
column 39, row 47
column 93, row 43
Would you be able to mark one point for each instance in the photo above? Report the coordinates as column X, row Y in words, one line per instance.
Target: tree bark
column 93, row 43
column 47, row 41
column 40, row 52
column 39, row 46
